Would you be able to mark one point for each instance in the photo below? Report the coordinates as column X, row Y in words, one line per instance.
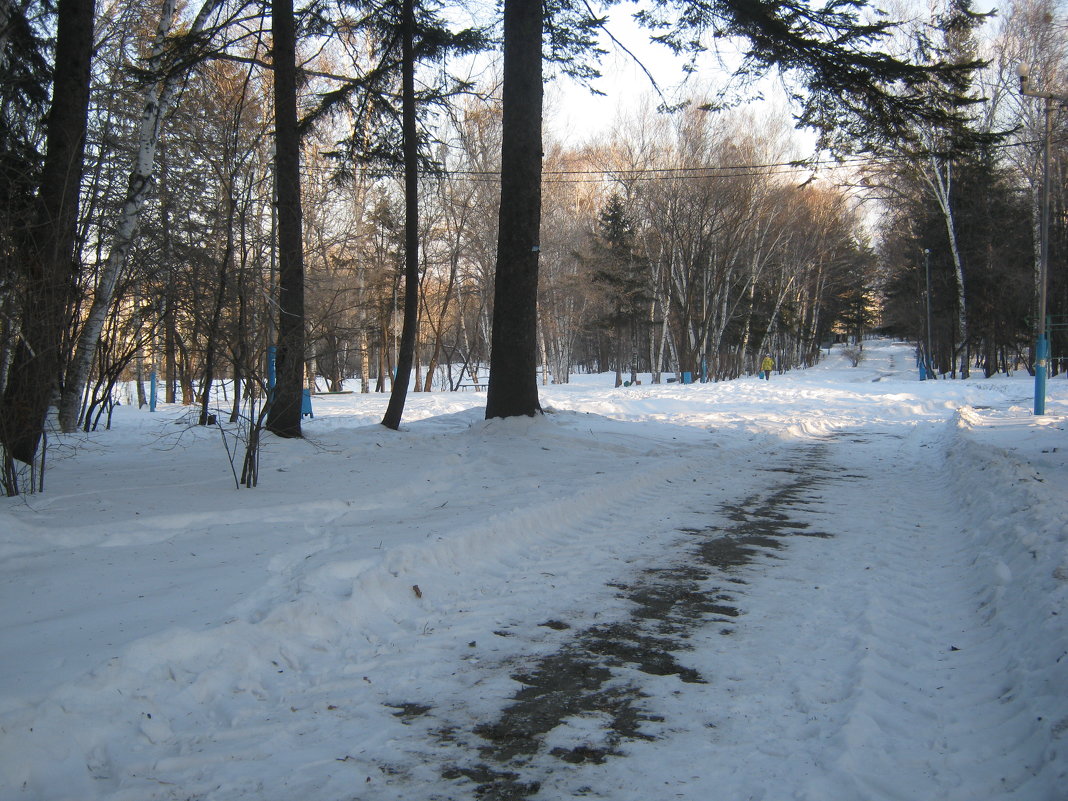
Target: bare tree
column 164, row 82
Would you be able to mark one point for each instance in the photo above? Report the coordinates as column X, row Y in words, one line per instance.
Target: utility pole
column 1042, row 339
column 929, row 366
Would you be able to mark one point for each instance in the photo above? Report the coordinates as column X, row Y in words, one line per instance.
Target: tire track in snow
column 898, row 683
column 520, row 548
column 928, row 708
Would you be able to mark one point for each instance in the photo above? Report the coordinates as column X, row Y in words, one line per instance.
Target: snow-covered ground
column 897, row 628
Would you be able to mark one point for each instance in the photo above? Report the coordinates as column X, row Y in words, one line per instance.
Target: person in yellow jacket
column 766, row 366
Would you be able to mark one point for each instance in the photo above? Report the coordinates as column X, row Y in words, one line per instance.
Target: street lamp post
column 1042, row 343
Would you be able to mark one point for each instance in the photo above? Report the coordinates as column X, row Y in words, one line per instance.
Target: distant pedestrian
column 766, row 366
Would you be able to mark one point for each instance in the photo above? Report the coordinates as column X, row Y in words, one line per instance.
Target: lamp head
column 1024, row 73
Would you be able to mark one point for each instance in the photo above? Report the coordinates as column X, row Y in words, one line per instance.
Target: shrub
column 855, row 355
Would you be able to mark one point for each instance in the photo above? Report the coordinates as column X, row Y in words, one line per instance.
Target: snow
column 896, row 628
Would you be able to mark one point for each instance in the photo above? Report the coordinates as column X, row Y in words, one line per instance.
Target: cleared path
column 890, row 678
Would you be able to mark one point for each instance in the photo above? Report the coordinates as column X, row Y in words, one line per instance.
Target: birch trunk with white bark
column 158, row 100
column 940, row 184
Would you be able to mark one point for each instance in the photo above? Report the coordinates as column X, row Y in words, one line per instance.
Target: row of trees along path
column 851, row 91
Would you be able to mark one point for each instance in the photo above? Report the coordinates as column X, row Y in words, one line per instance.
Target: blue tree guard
column 1041, row 360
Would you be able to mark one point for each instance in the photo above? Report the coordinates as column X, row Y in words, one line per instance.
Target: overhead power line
column 733, row 170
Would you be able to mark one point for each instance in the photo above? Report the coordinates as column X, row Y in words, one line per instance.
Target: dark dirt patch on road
column 583, row 678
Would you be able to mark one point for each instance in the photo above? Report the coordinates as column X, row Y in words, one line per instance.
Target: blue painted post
column 272, row 354
column 152, row 390
column 1041, row 357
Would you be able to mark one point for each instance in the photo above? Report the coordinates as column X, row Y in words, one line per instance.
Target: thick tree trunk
column 50, row 271
column 410, row 328
column 283, row 418
column 513, row 382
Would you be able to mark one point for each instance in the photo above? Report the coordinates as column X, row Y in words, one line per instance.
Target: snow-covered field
column 342, row 631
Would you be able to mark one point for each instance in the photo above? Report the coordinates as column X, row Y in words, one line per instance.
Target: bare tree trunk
column 243, row 369
column 485, row 327
column 8, row 336
column 239, row 395
column 513, row 352
column 380, row 383
column 158, row 99
column 661, row 347
column 139, row 380
column 283, row 417
column 410, row 329
column 439, row 329
column 170, row 347
column 940, row 185
column 766, row 339
column 39, row 359
column 544, row 359
column 212, row 347
column 513, row 384
column 365, row 361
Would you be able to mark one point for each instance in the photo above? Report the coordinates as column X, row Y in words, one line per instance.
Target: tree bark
column 211, row 347
column 409, row 330
column 39, row 360
column 513, row 384
column 939, row 179
column 283, row 418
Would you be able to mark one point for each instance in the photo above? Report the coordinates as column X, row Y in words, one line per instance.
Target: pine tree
column 513, row 387
column 618, row 272
column 284, row 415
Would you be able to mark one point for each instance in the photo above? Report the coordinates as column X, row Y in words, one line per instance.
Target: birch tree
column 159, row 98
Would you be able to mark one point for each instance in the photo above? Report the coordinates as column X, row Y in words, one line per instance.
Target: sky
column 575, row 115
column 632, row 62
column 841, row 583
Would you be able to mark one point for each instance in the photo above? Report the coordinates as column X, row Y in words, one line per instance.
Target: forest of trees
column 187, row 230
